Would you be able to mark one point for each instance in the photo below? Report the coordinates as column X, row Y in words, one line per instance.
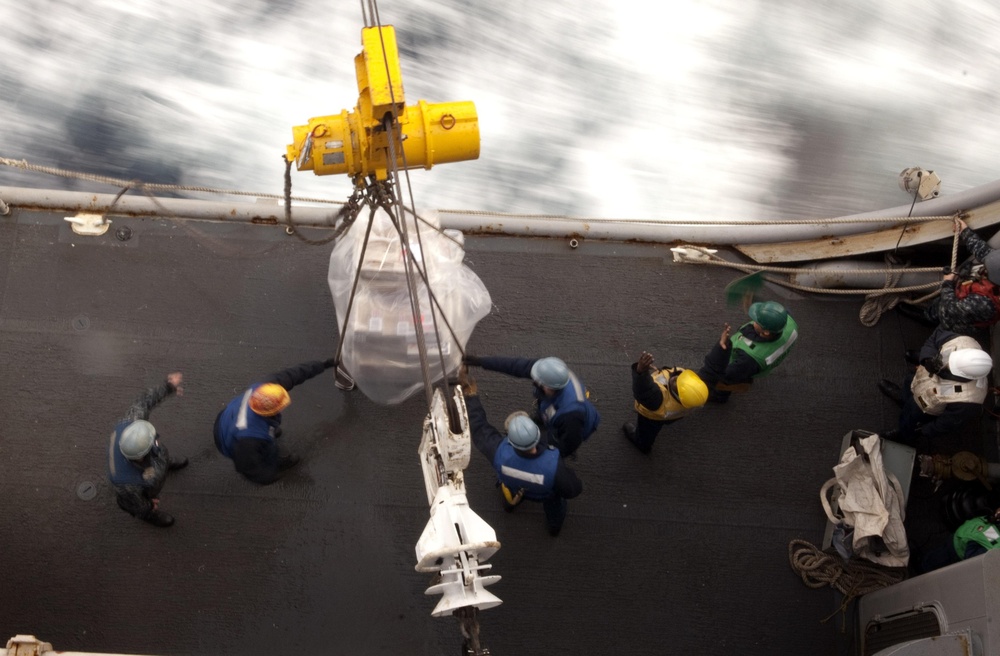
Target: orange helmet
column 269, row 399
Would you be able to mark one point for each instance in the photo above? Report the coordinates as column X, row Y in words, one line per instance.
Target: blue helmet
column 550, row 372
column 522, row 432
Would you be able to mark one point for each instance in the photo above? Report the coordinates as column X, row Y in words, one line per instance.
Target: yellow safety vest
column 671, row 408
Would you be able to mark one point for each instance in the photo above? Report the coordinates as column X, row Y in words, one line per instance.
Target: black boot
column 287, row 462
column 629, row 429
column 160, row 519
column 177, row 464
column 892, row 391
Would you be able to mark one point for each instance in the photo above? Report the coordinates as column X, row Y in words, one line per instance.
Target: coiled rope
column 852, row 578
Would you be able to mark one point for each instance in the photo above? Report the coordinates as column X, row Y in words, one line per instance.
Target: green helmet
column 137, row 439
column 550, row 372
column 770, row 315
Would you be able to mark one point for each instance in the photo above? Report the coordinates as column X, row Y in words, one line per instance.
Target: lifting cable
column 390, row 125
column 468, row 617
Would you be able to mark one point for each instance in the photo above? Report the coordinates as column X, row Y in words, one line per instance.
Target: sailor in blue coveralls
column 247, row 429
column 563, row 408
column 526, row 469
column 137, row 462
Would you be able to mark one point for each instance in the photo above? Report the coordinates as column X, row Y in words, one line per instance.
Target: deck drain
column 81, row 323
column 86, row 490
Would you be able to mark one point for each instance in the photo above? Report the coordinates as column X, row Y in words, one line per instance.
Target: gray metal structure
column 683, row 551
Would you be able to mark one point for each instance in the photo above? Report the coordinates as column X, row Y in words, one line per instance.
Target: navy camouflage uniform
column 137, row 499
column 960, row 315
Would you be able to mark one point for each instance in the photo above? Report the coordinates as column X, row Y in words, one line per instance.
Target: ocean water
column 664, row 109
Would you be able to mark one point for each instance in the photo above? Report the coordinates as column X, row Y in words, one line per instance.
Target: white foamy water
column 662, row 109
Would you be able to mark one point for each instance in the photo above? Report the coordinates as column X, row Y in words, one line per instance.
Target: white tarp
column 870, row 500
column 380, row 341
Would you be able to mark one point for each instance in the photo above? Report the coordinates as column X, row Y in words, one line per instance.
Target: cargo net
column 381, row 347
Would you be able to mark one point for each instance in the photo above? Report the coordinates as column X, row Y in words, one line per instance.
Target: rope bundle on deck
column 853, row 578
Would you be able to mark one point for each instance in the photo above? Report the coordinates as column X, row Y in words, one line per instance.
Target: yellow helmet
column 691, row 390
column 269, row 399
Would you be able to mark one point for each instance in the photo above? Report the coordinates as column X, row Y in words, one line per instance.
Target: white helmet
column 137, row 439
column 970, row 363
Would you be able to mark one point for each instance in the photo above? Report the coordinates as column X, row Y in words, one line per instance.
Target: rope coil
column 852, row 578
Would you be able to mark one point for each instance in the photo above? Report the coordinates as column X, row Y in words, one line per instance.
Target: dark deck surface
column 682, row 552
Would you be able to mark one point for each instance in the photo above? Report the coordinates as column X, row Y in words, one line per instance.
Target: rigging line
column 875, row 306
column 409, row 187
column 156, row 186
column 790, row 270
column 441, row 231
column 750, row 268
column 437, row 304
column 354, row 286
column 397, row 190
column 347, row 213
column 418, row 324
column 908, row 215
column 689, row 222
column 117, row 182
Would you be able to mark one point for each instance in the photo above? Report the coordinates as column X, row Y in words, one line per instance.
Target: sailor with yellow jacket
column 662, row 396
column 946, row 390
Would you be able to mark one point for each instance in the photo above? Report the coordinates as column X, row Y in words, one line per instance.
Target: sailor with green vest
column 754, row 351
column 973, row 538
column 976, row 536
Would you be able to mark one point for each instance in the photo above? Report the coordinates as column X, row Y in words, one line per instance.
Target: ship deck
column 684, row 551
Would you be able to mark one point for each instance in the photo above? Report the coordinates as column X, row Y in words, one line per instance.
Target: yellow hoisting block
column 356, row 142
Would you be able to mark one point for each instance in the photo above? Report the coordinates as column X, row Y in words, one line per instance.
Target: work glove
column 471, row 360
column 328, row 364
column 468, row 383
column 933, row 365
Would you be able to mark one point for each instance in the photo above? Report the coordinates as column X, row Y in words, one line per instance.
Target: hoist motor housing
column 356, row 142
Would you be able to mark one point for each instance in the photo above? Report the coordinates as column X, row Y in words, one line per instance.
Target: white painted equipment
column 922, row 184
column 29, row 645
column 456, row 542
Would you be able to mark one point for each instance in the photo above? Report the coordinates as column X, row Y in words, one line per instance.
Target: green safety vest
column 979, row 530
column 767, row 354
